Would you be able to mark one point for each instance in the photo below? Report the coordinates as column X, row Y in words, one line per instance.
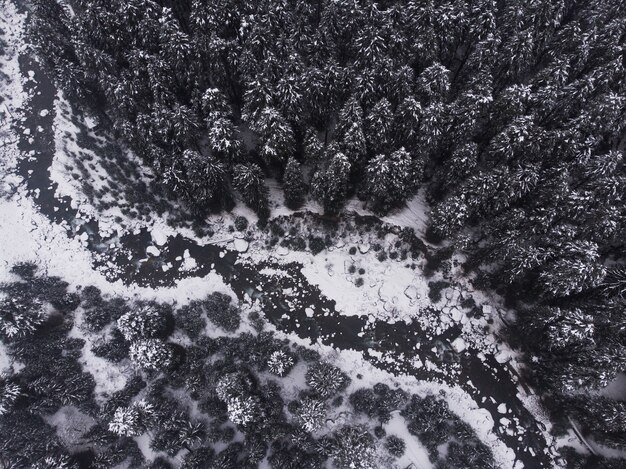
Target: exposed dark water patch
column 489, row 382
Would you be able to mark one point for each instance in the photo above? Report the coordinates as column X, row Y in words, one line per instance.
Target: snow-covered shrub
column 20, row 316
column 101, row 314
column 316, row 244
column 221, row 312
column 293, row 184
column 395, row 445
column 311, row 414
column 326, row 380
column 354, row 448
column 132, row 420
column 9, row 392
column 190, row 318
column 115, row 348
column 232, row 384
column 243, row 410
column 280, row 363
column 234, row 390
column 241, row 223
column 145, row 322
column 151, row 354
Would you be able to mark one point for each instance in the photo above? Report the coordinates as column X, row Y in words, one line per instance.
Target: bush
column 105, row 312
column 298, row 243
column 147, row 321
column 190, row 318
column 221, row 312
column 395, row 445
column 115, row 349
column 241, row 223
column 326, row 380
column 91, row 296
column 316, row 245
column 435, row 289
column 151, row 354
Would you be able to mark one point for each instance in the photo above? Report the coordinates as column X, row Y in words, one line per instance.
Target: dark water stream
column 488, row 382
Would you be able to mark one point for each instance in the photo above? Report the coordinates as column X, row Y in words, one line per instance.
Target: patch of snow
column 240, row 245
column 458, row 345
column 153, row 251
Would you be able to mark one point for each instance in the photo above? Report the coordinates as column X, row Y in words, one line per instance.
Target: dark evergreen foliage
column 510, row 113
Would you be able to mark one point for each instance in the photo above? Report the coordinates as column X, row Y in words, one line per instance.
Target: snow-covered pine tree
column 326, row 380
column 20, row 316
column 354, row 448
column 214, row 103
column 280, row 363
column 330, row 184
column 9, row 393
column 249, row 181
column 132, row 420
column 293, row 184
column 146, row 321
column 390, row 180
column 204, row 182
column 151, row 354
column 276, row 138
column 379, row 127
column 223, row 139
column 311, row 414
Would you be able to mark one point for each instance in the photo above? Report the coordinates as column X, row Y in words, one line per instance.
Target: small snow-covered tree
column 313, row 147
column 223, row 139
column 330, row 184
column 277, row 141
column 395, row 445
column 349, row 131
column 234, row 389
column 293, row 184
column 243, row 410
column 434, row 82
column 280, row 363
column 249, row 181
column 326, row 380
column 379, row 127
column 389, row 180
column 151, row 354
column 9, row 392
column 566, row 276
column 203, row 183
column 573, row 330
column 354, row 448
column 311, row 414
column 449, row 216
column 132, row 420
column 214, row 103
column 144, row 322
column 20, row 316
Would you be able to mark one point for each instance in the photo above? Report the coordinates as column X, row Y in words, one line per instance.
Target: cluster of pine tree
column 513, row 111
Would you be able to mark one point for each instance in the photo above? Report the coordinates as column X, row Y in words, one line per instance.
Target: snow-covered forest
column 347, row 234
